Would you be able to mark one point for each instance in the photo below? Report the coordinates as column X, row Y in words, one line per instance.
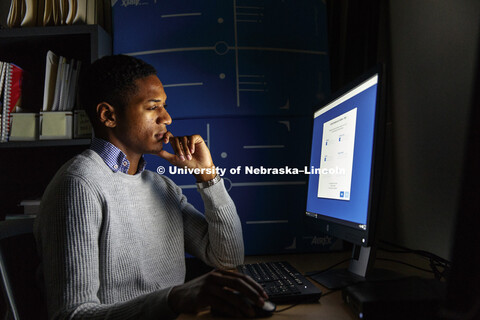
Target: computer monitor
column 346, row 173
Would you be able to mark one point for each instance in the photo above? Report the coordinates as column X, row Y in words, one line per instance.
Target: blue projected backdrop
column 239, row 57
column 246, row 75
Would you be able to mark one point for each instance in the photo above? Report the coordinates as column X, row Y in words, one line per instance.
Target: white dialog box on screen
column 337, row 157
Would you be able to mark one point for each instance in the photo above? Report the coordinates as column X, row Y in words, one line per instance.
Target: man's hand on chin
column 190, row 152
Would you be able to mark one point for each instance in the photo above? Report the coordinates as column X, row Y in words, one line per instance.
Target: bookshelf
column 26, row 167
column 45, row 143
column 80, row 41
column 28, row 47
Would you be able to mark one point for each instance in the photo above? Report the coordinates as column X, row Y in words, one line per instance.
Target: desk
column 330, row 307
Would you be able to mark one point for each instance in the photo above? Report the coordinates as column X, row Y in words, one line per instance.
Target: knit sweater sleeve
column 67, row 231
column 216, row 237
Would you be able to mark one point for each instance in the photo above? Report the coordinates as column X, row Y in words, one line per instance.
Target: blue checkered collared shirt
column 114, row 157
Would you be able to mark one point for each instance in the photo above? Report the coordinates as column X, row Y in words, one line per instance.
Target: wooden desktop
column 330, row 306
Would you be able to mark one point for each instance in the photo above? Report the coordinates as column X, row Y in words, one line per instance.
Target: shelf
column 51, row 31
column 92, row 41
column 45, row 143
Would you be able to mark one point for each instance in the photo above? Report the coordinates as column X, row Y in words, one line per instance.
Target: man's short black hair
column 111, row 79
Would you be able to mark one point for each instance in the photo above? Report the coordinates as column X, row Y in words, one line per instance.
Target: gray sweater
column 112, row 245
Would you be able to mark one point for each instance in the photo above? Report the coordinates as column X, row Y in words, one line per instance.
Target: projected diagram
column 336, row 159
column 252, row 56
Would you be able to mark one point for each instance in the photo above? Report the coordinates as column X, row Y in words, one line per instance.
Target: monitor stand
column 360, row 269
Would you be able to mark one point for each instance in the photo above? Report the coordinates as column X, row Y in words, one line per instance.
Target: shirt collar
column 115, row 159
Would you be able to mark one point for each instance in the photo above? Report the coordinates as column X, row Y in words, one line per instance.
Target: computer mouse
column 259, row 312
column 265, row 311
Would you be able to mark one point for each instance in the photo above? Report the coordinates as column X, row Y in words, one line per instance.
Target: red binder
column 12, row 93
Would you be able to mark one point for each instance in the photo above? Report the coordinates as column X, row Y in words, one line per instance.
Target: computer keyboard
column 282, row 282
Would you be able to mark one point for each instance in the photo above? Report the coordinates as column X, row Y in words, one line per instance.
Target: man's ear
column 106, row 115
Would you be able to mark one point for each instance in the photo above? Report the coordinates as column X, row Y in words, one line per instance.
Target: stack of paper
column 10, row 95
column 61, row 82
column 28, row 13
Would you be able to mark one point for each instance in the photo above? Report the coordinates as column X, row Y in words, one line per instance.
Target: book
column 50, row 81
column 72, row 92
column 64, row 10
column 30, row 17
column 29, row 13
column 57, row 20
column 40, row 12
column 58, row 83
column 72, row 11
column 12, row 93
column 6, row 100
column 16, row 13
column 61, row 82
column 95, row 12
column 66, row 86
column 63, row 79
column 3, row 65
column 81, row 14
column 48, row 19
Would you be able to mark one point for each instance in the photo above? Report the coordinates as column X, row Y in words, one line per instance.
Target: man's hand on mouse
column 191, row 152
column 223, row 291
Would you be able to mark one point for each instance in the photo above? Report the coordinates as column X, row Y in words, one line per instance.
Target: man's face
column 141, row 126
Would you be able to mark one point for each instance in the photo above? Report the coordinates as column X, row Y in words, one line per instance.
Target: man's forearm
column 224, row 227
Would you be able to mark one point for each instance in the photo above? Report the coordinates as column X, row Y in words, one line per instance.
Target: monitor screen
column 340, row 187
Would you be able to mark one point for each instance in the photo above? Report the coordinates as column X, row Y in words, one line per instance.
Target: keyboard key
column 282, row 282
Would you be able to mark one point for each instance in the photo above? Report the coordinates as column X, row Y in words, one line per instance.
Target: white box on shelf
column 81, row 125
column 24, row 127
column 56, row 125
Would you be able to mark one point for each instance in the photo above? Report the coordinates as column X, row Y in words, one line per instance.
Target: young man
column 112, row 236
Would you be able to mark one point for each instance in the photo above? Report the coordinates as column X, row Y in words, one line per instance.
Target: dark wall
column 428, row 48
column 356, row 41
column 433, row 50
column 26, row 172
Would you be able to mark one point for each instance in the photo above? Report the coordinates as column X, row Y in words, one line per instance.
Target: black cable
column 313, row 273
column 435, row 261
column 439, row 274
column 395, row 251
column 296, row 304
column 419, row 252
column 407, row 264
column 289, row 307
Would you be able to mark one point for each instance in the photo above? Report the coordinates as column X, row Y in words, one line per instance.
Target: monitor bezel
column 347, row 230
